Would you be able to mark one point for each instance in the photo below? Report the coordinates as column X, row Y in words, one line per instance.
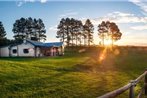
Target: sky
column 129, row 15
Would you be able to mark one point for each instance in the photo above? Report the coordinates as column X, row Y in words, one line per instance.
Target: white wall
column 38, row 52
column 4, row 51
column 11, row 51
column 28, row 46
column 20, row 49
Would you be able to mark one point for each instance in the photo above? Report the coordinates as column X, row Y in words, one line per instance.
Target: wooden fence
column 130, row 86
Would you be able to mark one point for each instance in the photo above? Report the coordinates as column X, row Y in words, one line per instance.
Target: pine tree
column 88, row 31
column 3, row 39
column 2, row 31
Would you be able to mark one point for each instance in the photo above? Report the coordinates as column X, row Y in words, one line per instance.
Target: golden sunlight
column 108, row 42
column 102, row 55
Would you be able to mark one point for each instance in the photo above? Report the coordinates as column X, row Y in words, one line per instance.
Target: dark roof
column 55, row 44
column 40, row 44
column 35, row 43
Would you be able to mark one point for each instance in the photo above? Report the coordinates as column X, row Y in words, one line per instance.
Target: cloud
column 68, row 14
column 43, row 1
column 141, row 27
column 29, row 0
column 120, row 17
column 20, row 3
column 142, row 4
column 53, row 28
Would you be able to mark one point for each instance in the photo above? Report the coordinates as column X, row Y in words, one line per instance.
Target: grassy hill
column 78, row 74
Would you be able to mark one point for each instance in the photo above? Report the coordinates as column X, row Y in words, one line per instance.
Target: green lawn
column 75, row 75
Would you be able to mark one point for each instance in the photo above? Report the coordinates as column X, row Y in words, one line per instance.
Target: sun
column 107, row 42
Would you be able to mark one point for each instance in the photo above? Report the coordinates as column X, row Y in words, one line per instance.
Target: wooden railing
column 130, row 86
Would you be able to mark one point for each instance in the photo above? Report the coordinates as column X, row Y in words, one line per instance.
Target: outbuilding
column 31, row 48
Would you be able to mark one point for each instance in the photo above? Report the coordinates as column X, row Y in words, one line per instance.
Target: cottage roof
column 40, row 44
column 55, row 44
column 35, row 43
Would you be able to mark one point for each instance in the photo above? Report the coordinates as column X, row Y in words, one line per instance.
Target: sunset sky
column 130, row 16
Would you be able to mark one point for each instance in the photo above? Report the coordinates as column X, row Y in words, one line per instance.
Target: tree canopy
column 109, row 31
column 28, row 28
column 3, row 39
column 2, row 31
column 88, row 31
column 73, row 32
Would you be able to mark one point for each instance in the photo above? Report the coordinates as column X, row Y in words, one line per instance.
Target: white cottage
column 31, row 48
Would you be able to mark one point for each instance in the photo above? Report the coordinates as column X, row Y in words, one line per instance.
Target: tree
column 61, row 30
column 69, row 31
column 19, row 29
column 42, row 30
column 64, row 30
column 2, row 31
column 109, row 31
column 29, row 29
column 72, row 30
column 102, row 29
column 78, row 31
column 3, row 39
column 115, row 33
column 88, row 30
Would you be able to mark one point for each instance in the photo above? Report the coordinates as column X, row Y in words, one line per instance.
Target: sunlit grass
column 75, row 75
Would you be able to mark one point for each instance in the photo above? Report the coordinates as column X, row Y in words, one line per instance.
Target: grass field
column 75, row 75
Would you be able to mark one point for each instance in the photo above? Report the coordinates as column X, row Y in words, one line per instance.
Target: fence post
column 145, row 83
column 131, row 91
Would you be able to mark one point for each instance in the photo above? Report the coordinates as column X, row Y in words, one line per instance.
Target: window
column 25, row 50
column 14, row 51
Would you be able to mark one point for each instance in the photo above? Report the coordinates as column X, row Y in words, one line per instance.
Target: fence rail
column 130, row 86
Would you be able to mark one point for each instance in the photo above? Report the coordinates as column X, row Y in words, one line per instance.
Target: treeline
column 69, row 30
column 73, row 32
column 24, row 28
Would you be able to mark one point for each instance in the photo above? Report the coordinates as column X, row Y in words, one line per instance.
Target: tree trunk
column 67, row 36
column 112, row 41
column 112, row 44
column 80, row 40
column 63, row 37
column 103, row 40
column 88, row 41
column 72, row 40
column 76, row 40
column 84, row 41
column 89, row 38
